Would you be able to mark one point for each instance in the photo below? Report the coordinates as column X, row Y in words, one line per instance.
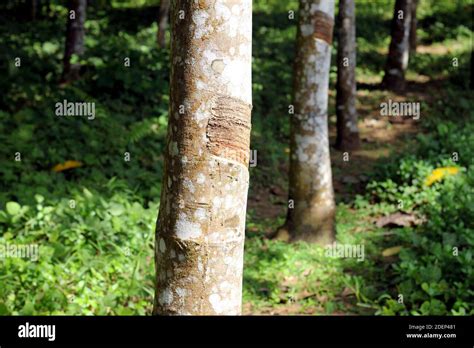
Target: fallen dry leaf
column 347, row 292
column 66, row 165
column 392, row 251
column 398, row 220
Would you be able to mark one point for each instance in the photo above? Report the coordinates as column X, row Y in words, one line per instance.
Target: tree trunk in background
column 201, row 224
column 162, row 20
column 413, row 25
column 47, row 8
column 34, row 9
column 310, row 182
column 471, row 84
column 398, row 54
column 347, row 130
column 74, row 38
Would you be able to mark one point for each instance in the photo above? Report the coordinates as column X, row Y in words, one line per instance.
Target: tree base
column 350, row 143
column 393, row 83
column 71, row 74
column 281, row 234
column 323, row 237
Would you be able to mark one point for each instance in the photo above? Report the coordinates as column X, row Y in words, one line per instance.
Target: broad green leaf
column 13, row 208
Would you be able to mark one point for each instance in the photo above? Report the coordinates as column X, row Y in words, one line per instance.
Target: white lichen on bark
column 312, row 218
column 347, row 130
column 202, row 212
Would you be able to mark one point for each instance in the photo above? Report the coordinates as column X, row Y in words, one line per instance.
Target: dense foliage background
column 95, row 223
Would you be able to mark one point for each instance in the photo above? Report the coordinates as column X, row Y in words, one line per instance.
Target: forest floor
column 380, row 137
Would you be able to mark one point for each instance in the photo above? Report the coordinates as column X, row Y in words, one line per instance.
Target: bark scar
column 323, row 26
column 228, row 129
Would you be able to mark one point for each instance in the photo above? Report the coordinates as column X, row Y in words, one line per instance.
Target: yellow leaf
column 392, row 251
column 66, row 165
column 439, row 173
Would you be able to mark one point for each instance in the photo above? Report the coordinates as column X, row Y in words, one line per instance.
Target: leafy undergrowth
column 281, row 278
column 424, row 268
column 94, row 256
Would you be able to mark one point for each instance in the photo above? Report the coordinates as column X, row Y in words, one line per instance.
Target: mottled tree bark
column 347, row 130
column 399, row 50
column 201, row 225
column 310, row 183
column 162, row 23
column 413, row 25
column 74, row 38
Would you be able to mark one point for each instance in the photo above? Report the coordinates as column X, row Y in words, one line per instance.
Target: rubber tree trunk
column 74, row 38
column 310, row 183
column 201, row 224
column 347, row 130
column 34, row 9
column 471, row 84
column 413, row 25
column 47, row 8
column 162, row 20
column 399, row 50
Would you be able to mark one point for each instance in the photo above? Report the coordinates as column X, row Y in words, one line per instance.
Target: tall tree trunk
column 162, row 20
column 413, row 25
column 34, row 9
column 201, row 224
column 47, row 8
column 399, row 49
column 310, row 183
column 347, row 130
column 74, row 38
column 471, row 84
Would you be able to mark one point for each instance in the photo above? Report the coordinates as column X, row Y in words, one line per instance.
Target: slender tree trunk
column 162, row 20
column 201, row 224
column 347, row 130
column 34, row 9
column 471, row 84
column 47, row 8
column 413, row 25
column 399, row 49
column 311, row 198
column 74, row 38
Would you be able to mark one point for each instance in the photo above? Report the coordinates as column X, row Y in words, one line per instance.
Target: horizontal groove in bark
column 228, row 129
column 323, row 26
